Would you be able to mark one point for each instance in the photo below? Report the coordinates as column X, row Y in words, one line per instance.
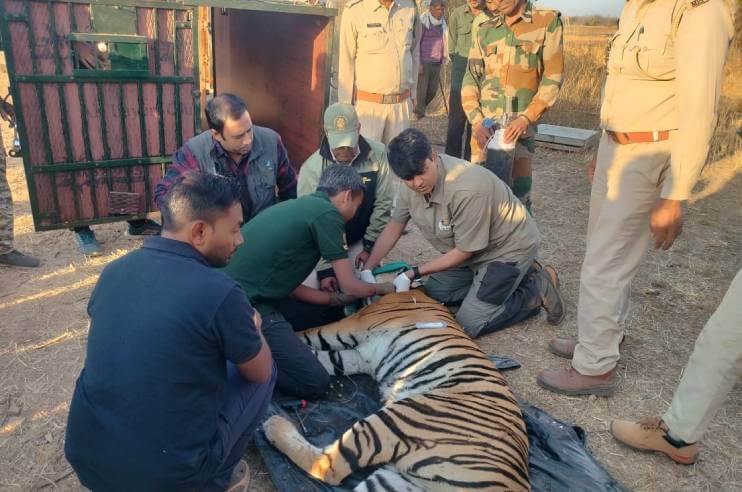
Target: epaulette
column 351, row 3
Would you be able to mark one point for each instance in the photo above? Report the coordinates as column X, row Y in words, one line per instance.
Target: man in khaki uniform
column 378, row 63
column 715, row 366
column 658, row 113
column 344, row 144
column 488, row 240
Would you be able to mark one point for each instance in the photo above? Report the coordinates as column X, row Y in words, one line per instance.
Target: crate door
column 104, row 95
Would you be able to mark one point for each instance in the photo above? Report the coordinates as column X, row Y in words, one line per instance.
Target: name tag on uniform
column 444, row 225
column 375, row 24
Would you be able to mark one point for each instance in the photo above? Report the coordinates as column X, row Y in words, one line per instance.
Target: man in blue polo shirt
column 177, row 374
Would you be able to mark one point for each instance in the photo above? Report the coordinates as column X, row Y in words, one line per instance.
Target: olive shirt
column 470, row 209
column 283, row 245
column 459, row 42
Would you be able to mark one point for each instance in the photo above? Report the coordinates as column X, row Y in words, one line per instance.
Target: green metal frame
column 107, row 164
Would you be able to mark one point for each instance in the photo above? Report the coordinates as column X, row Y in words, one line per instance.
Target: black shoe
column 144, row 227
column 17, row 259
column 547, row 280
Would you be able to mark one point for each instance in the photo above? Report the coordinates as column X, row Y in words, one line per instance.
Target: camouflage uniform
column 6, row 207
column 522, row 68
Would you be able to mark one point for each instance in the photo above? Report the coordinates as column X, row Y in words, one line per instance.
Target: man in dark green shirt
column 282, row 246
column 459, row 44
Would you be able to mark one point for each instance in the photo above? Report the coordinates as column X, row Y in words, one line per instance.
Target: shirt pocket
column 654, row 56
column 527, row 53
column 374, row 41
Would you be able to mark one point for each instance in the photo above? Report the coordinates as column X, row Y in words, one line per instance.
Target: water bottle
column 500, row 154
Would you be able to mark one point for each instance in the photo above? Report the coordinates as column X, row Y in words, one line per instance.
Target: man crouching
column 488, row 240
column 177, row 373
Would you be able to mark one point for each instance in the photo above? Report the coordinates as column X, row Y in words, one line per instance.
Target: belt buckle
column 388, row 99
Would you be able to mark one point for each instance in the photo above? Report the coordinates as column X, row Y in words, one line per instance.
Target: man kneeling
column 284, row 244
column 177, row 374
column 488, row 240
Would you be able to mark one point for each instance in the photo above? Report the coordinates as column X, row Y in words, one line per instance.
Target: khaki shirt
column 470, row 209
column 379, row 48
column 665, row 69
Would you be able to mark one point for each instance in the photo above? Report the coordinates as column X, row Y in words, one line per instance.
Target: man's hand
column 481, row 133
column 384, row 288
column 329, row 284
column 591, row 169
column 340, row 299
column 516, row 128
column 361, row 259
column 666, row 222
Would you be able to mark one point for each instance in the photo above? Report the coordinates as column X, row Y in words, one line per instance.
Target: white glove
column 368, row 277
column 402, row 283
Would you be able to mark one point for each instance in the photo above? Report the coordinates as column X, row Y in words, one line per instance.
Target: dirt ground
column 43, row 327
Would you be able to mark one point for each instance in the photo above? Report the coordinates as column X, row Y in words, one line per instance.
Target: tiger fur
column 448, row 422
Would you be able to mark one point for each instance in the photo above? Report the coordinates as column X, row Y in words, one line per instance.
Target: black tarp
column 559, row 459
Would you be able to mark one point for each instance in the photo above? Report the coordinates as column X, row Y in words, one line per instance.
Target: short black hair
column 197, row 196
column 337, row 178
column 408, row 152
column 222, row 107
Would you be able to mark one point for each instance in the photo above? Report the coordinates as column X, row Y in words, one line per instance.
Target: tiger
column 448, row 419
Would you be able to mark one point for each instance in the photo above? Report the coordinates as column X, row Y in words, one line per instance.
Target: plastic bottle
column 500, row 154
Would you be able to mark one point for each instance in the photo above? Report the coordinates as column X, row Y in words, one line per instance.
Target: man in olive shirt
column 459, row 45
column 487, row 239
column 282, row 246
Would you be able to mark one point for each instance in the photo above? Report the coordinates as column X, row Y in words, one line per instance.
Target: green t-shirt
column 283, row 244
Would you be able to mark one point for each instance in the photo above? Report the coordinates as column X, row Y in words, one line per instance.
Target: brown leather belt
column 382, row 98
column 623, row 138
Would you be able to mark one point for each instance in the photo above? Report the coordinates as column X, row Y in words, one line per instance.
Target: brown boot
column 547, row 280
column 571, row 383
column 565, row 346
column 652, row 435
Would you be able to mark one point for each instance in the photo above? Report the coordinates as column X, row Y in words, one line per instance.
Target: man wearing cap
column 379, row 62
column 344, row 144
column 282, row 246
column 658, row 113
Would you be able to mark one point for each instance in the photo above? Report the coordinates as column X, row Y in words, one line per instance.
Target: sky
column 584, row 7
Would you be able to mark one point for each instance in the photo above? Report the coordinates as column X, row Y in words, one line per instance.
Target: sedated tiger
column 448, row 422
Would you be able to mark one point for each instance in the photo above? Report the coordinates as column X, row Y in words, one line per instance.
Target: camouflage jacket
column 521, row 65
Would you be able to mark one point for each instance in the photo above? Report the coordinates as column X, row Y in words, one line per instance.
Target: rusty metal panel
column 93, row 133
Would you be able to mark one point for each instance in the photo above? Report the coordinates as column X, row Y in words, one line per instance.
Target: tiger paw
column 278, row 429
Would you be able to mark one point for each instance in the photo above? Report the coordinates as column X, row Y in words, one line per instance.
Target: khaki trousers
column 383, row 122
column 625, row 189
column 713, row 369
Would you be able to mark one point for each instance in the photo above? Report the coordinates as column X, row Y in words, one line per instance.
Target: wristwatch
column 416, row 273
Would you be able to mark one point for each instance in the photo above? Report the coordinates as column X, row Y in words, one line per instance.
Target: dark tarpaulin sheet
column 559, row 460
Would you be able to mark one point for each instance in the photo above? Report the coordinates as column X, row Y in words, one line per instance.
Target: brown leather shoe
column 651, row 435
column 565, row 346
column 572, row 383
column 549, row 286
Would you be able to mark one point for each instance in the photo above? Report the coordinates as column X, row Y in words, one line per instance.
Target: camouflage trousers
column 6, row 207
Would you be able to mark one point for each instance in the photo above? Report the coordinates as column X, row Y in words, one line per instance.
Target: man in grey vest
column 234, row 147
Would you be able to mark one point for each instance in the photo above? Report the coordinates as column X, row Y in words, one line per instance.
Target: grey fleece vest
column 259, row 186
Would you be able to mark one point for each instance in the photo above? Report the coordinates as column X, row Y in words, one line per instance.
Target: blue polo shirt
column 146, row 406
